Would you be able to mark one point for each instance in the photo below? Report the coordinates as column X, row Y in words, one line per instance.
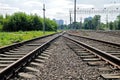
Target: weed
column 7, row 38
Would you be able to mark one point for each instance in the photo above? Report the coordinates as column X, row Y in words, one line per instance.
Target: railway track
column 14, row 57
column 97, row 53
column 21, row 58
column 111, row 33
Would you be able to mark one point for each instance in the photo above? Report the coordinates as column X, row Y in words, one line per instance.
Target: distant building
column 88, row 18
column 59, row 22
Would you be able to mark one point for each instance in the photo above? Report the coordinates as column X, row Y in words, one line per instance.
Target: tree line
column 21, row 21
column 94, row 23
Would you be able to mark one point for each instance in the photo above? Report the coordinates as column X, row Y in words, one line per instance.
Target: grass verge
column 7, row 38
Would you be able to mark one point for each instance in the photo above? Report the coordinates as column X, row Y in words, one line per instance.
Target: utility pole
column 116, row 23
column 75, row 13
column 43, row 18
column 80, row 23
column 70, row 20
column 107, row 21
column 106, row 11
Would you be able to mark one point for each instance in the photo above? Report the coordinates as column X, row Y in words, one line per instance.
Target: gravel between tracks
column 64, row 64
column 100, row 36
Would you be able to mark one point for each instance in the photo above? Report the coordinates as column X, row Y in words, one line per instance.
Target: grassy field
column 7, row 38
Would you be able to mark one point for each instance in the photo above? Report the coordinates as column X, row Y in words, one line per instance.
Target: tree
column 88, row 23
column 92, row 23
column 18, row 21
column 118, row 22
column 111, row 26
column 22, row 22
column 35, row 22
column 96, row 22
column 1, row 19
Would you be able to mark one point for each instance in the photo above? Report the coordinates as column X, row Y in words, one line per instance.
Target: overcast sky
column 58, row 9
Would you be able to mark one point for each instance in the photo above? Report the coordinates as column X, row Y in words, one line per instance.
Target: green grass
column 7, row 38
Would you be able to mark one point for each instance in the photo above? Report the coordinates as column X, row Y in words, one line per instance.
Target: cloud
column 7, row 7
column 58, row 9
column 85, row 6
column 36, row 12
column 61, row 4
column 33, row 4
column 116, row 5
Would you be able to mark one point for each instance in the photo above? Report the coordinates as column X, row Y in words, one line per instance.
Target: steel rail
column 107, row 42
column 6, row 48
column 113, row 60
column 13, row 68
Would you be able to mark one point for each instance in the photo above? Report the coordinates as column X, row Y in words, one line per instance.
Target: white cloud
column 36, row 12
column 58, row 9
column 3, row 5
column 60, row 3
column 54, row 9
column 33, row 4
column 116, row 5
column 7, row 7
column 85, row 6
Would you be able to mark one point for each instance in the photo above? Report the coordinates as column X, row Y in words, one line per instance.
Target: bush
column 22, row 22
column 1, row 27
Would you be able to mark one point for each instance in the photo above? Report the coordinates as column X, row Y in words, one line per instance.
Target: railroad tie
column 42, row 57
column 26, row 75
column 39, row 60
column 45, row 52
column 9, row 53
column 91, row 59
column 5, row 62
column 96, row 63
column 10, row 59
column 86, row 56
column 31, row 69
column 37, row 64
column 105, row 69
column 111, row 76
column 4, row 65
column 45, row 55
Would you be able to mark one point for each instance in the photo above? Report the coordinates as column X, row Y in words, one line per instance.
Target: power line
column 74, row 14
column 43, row 18
column 74, row 10
column 70, row 19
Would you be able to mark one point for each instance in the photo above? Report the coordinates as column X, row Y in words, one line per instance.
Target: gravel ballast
column 97, row 35
column 64, row 64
